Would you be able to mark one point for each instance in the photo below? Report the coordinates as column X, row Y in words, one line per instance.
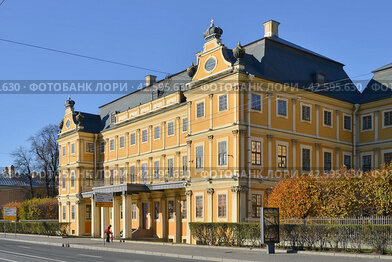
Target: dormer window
column 113, row 117
column 320, row 78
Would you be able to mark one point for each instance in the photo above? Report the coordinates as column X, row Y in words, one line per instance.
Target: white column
column 164, row 134
column 94, row 218
column 269, row 109
column 116, row 144
column 337, row 157
column 138, row 141
column 234, row 200
column 376, row 125
column 164, row 217
column 269, row 141
column 235, row 91
column 317, row 156
column 211, row 110
column 177, row 203
column 104, row 222
column 189, row 159
column 337, row 124
column 317, row 120
column 210, row 140
column 151, row 136
column 188, row 194
column 294, row 155
column 376, row 152
column 178, row 130
column 189, row 117
column 127, row 220
column 116, row 218
column 235, row 153
column 210, row 193
column 294, row 101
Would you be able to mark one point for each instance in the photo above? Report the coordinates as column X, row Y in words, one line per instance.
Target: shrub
column 37, row 228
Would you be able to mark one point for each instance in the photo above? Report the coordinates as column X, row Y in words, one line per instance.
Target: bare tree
column 23, row 162
column 46, row 152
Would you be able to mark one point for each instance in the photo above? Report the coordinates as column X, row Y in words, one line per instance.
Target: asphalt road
column 20, row 252
column 12, row 251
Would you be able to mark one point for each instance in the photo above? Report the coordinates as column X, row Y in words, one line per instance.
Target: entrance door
column 145, row 213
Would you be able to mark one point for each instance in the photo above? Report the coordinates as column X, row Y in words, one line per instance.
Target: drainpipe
column 95, row 157
column 249, row 147
column 355, row 135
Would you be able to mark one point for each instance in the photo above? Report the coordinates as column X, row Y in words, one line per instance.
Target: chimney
column 150, row 79
column 271, row 28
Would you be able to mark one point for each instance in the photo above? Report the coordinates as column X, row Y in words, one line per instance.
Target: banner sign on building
column 104, row 199
column 269, row 224
column 10, row 213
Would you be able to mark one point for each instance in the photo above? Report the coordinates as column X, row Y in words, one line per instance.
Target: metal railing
column 374, row 220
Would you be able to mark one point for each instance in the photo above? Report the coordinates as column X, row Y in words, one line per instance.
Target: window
column 183, row 209
column 144, row 135
column 366, row 162
column 256, row 153
column 222, row 153
column 388, row 158
column 199, row 156
column 305, row 113
column 256, row 205
column 305, row 159
column 133, row 139
column 327, row 118
column 256, row 102
column 157, row 132
column 199, row 206
column 282, row 107
column 64, row 212
column 102, row 147
column 64, row 150
column 184, row 124
column 347, row 122
column 170, row 209
column 111, row 144
column 64, row 180
column 282, row 156
column 156, row 210
column 170, row 129
column 132, row 174
column 122, row 175
column 72, row 179
column 388, row 118
column 73, row 148
column 134, row 210
column 111, row 176
column 327, row 161
column 156, row 169
column 88, row 212
column 122, row 142
column 367, row 122
column 222, row 102
column 184, row 165
column 170, row 167
column 347, row 161
column 113, row 117
column 73, row 212
column 144, row 173
column 222, row 205
column 200, row 110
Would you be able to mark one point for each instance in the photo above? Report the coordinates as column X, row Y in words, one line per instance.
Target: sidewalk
column 207, row 253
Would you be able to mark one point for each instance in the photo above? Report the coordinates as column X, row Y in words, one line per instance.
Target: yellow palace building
column 209, row 143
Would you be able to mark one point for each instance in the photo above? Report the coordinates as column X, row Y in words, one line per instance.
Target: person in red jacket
column 108, row 233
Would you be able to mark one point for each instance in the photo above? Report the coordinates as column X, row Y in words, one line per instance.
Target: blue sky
column 162, row 35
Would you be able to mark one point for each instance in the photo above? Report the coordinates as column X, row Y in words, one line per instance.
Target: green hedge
column 298, row 236
column 37, row 228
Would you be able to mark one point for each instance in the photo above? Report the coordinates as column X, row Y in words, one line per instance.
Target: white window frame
column 141, row 172
column 310, row 113
column 73, row 212
column 327, row 150
column 110, row 144
column 174, row 209
column 64, row 150
column 74, row 177
column 367, row 154
column 119, row 142
column 382, row 155
column 187, row 123
column 227, row 103
column 223, row 139
column 155, row 128
column 102, row 147
column 383, row 118
column 222, row 192
column 372, row 121
column 130, row 140
column 277, row 107
column 157, row 160
column 64, row 213
column 64, row 185
column 351, row 125
column 174, row 128
column 350, row 155
column 261, row 102
column 159, row 211
column 303, row 146
column 73, row 148
column 130, row 174
column 282, row 143
column 204, row 109
column 144, row 142
column 134, row 204
column 203, row 159
column 198, row 194
column 331, row 111
column 167, row 167
column 261, row 140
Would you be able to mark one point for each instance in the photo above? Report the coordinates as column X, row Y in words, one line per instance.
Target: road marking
column 24, row 247
column 25, row 255
column 8, row 260
column 85, row 255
